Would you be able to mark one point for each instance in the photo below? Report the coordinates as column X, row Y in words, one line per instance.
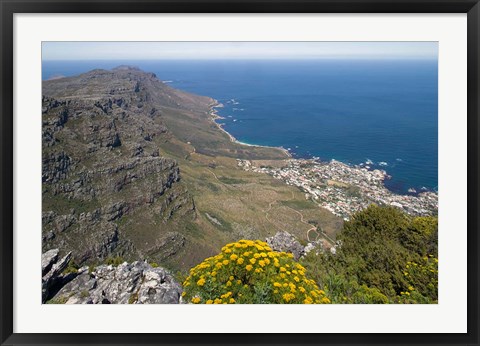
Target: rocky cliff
column 107, row 188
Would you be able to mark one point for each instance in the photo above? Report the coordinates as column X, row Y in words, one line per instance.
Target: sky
column 237, row 50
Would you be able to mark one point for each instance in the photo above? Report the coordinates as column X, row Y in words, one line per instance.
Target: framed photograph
column 239, row 173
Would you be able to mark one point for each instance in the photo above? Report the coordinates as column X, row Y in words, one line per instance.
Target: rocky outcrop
column 55, row 167
column 285, row 242
column 127, row 283
column 52, row 269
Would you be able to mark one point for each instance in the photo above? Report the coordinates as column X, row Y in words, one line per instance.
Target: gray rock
column 53, row 278
column 316, row 246
column 159, row 287
column 48, row 259
column 284, row 241
column 135, row 283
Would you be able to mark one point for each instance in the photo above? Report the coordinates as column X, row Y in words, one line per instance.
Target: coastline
column 289, row 157
column 343, row 189
column 214, row 116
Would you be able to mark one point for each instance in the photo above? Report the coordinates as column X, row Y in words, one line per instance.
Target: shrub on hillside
column 249, row 272
column 422, row 282
column 381, row 259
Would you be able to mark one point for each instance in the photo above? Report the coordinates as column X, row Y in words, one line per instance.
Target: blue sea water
column 354, row 111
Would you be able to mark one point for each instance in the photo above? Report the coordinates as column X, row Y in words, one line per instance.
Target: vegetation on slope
column 385, row 257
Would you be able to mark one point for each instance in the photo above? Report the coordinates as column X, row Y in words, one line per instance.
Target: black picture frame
column 9, row 7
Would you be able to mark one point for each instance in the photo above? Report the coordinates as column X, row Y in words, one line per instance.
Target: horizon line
column 259, row 58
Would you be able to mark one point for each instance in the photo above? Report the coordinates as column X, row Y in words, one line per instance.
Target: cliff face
column 107, row 189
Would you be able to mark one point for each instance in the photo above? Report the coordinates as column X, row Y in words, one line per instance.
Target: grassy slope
column 233, row 204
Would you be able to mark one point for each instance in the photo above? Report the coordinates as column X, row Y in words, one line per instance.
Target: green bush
column 422, row 282
column 378, row 246
column 249, row 272
column 71, row 268
column 114, row 261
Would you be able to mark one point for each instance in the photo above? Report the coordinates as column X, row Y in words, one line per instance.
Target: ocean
column 380, row 113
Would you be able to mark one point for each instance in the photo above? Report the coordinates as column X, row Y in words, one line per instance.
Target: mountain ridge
column 133, row 168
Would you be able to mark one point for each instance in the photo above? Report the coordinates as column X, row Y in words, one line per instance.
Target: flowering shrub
column 422, row 281
column 249, row 272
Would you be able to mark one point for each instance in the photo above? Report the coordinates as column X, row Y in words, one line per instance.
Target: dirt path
column 215, row 176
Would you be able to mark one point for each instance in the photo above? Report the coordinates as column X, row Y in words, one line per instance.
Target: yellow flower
column 263, row 254
column 308, row 300
column 225, row 262
column 288, row 297
column 249, row 267
column 184, row 294
column 240, row 260
column 301, row 289
column 232, row 301
column 325, row 300
column 226, row 295
column 209, row 301
column 256, row 255
column 201, row 282
column 258, row 270
column 196, row 300
column 252, row 260
column 228, row 284
column 217, row 301
column 296, row 279
column 246, row 253
column 238, row 245
column 410, row 288
column 233, row 257
column 261, row 263
column 277, row 284
column 227, row 251
column 282, row 269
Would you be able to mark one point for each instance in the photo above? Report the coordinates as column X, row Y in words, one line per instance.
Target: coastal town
column 345, row 189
